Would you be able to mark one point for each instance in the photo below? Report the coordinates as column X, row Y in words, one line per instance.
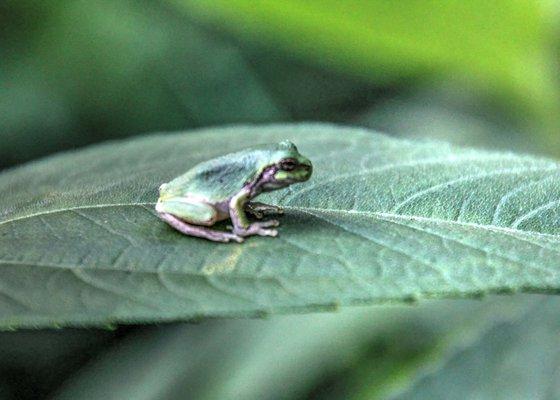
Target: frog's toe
column 267, row 232
column 257, row 228
column 266, row 224
column 232, row 237
column 273, row 210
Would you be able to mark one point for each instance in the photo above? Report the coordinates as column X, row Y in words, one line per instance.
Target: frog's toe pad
column 267, row 232
column 266, row 224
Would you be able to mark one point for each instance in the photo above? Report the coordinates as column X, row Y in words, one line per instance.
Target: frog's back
column 217, row 179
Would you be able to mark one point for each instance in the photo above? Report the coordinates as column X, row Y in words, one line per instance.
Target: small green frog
column 221, row 188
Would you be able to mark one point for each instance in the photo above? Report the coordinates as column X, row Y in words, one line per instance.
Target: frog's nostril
column 306, row 170
column 305, row 163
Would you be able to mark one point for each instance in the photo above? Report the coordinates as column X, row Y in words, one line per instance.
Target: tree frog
column 221, row 188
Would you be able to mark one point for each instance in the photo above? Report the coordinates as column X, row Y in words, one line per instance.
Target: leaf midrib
column 374, row 214
column 384, row 216
column 549, row 166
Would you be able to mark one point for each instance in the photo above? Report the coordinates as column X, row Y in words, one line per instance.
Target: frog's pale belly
column 222, row 210
column 188, row 210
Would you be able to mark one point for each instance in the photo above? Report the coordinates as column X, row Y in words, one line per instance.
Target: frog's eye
column 288, row 164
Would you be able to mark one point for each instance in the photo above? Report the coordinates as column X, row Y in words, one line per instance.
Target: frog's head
column 285, row 166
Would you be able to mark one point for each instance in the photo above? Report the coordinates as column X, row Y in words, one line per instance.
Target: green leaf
column 382, row 219
column 414, row 352
column 33, row 363
column 501, row 45
column 157, row 71
column 515, row 359
column 278, row 358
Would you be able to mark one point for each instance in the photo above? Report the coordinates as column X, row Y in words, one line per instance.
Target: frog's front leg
column 241, row 224
column 259, row 210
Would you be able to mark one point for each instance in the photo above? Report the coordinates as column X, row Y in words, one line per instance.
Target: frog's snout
column 305, row 170
column 308, row 168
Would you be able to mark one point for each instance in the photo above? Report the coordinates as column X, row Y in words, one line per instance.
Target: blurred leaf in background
column 32, row 363
column 506, row 48
column 443, row 112
column 288, row 357
column 511, row 359
column 79, row 72
column 95, row 70
column 74, row 73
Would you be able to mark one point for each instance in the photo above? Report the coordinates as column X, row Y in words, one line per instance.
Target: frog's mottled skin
column 221, row 188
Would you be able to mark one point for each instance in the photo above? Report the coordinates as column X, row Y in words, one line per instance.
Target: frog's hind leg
column 199, row 231
column 193, row 219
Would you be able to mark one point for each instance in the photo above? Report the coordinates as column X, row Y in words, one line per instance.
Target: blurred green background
column 474, row 73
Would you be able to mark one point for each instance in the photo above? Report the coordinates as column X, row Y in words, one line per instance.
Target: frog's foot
column 259, row 210
column 199, row 231
column 258, row 228
column 228, row 237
